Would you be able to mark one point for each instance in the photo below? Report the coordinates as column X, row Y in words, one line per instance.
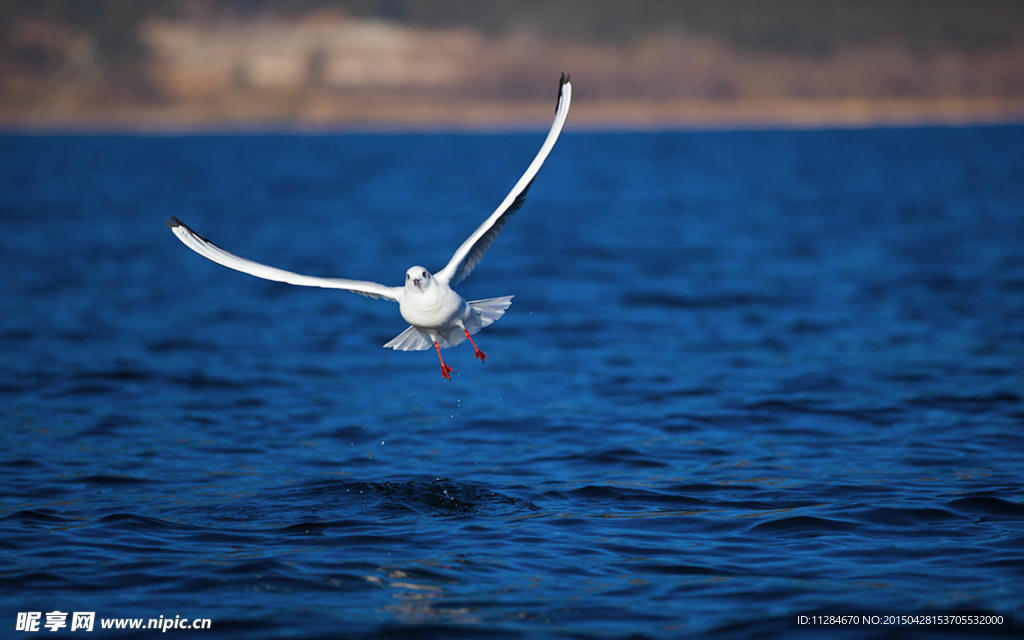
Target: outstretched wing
column 208, row 250
column 472, row 250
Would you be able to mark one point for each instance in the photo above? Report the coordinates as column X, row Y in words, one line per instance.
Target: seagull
column 436, row 314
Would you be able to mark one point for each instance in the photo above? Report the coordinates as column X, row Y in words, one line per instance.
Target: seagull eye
column 424, row 274
column 407, row 276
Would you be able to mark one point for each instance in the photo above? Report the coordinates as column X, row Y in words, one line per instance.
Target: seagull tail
column 482, row 313
column 486, row 312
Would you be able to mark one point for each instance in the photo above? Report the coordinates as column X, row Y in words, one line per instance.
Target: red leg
column 479, row 354
column 445, row 369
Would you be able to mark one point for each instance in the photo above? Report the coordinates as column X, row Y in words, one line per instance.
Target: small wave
column 1012, row 285
column 116, row 374
column 804, row 525
column 38, row 581
column 976, row 402
column 13, row 388
column 671, row 301
column 111, row 480
column 226, row 450
column 109, row 425
column 905, row 517
column 678, row 569
column 625, row 456
column 591, row 492
column 131, row 521
column 249, row 402
column 77, row 336
column 198, row 380
column 731, row 420
column 988, row 506
column 318, row 527
column 261, row 565
column 22, row 463
column 876, row 416
column 35, row 516
column 437, row 496
column 84, row 390
column 620, row 495
column 350, row 433
column 178, row 344
column 18, row 334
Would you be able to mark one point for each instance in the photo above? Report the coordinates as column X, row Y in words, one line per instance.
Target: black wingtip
column 562, row 81
column 174, row 223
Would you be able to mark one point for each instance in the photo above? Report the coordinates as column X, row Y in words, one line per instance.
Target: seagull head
column 417, row 277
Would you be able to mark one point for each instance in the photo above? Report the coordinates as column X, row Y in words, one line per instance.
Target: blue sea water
column 746, row 376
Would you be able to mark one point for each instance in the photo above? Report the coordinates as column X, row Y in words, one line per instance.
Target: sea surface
column 747, row 376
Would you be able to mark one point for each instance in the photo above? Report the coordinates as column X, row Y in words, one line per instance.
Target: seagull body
column 437, row 315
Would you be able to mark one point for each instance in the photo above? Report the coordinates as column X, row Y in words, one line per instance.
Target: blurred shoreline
column 429, row 115
column 332, row 71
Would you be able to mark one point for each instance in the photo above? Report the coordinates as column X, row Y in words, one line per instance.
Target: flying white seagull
column 437, row 314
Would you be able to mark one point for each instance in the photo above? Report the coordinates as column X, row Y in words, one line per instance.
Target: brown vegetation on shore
column 328, row 69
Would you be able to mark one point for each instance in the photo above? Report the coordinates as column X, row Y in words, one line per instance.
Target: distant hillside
column 781, row 26
column 408, row 62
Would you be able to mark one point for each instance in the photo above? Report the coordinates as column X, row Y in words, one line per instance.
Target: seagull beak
column 416, row 281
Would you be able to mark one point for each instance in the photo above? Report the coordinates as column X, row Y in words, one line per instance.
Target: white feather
column 472, row 250
column 210, row 251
